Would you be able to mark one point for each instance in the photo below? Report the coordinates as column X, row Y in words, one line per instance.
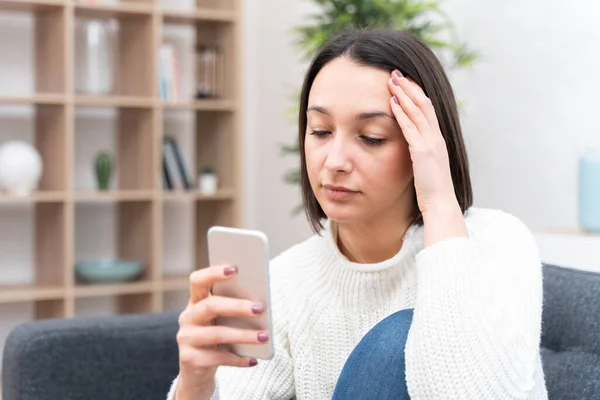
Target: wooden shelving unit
column 139, row 200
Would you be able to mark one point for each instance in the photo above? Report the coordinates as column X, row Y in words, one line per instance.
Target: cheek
column 391, row 170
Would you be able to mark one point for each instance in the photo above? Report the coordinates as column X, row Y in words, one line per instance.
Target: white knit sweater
column 476, row 326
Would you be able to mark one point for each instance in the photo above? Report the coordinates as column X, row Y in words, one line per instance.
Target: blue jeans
column 376, row 367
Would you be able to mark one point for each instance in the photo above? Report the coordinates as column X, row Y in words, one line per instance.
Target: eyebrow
column 362, row 116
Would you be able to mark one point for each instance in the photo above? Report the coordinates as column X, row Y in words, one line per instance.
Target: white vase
column 20, row 167
column 208, row 183
column 94, row 50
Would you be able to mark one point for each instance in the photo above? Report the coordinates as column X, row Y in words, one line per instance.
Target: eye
column 371, row 141
column 320, row 133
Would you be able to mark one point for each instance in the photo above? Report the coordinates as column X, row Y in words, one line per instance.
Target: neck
column 372, row 242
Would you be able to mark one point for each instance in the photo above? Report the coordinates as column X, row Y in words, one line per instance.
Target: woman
column 405, row 290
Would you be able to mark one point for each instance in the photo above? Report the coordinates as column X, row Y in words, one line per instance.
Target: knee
column 392, row 331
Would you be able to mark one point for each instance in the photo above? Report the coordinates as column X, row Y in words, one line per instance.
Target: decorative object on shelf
column 589, row 190
column 20, row 167
column 108, row 270
column 209, row 72
column 103, row 165
column 95, row 52
column 208, row 181
column 169, row 73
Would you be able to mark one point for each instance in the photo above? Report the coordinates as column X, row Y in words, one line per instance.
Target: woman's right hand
column 199, row 338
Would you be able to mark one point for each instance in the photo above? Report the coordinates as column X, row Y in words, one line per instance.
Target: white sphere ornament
column 20, row 167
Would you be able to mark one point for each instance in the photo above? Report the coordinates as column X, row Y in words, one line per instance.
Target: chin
column 341, row 212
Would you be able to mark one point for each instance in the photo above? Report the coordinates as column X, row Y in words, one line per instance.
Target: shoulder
column 502, row 233
column 483, row 222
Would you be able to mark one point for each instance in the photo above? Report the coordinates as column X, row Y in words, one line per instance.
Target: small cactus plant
column 104, row 168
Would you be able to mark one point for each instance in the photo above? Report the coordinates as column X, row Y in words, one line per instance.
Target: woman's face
column 357, row 159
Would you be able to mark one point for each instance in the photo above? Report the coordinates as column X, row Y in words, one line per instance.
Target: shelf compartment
column 122, row 230
column 127, row 134
column 38, row 44
column 33, row 250
column 216, row 146
column 130, row 28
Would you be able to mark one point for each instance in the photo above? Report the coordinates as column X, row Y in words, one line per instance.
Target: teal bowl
column 108, row 271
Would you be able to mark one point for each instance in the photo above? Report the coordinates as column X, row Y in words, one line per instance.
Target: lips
column 339, row 193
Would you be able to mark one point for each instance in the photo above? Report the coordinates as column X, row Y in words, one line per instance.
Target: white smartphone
column 249, row 251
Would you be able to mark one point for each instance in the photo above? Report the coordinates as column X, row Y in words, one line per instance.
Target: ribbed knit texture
column 476, row 327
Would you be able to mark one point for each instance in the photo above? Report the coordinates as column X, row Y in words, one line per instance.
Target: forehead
column 344, row 83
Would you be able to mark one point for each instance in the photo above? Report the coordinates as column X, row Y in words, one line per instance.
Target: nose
column 338, row 157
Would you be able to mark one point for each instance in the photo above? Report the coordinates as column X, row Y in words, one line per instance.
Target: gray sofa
column 135, row 356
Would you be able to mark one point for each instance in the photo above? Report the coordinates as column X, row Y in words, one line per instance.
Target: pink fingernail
column 397, row 72
column 263, row 337
column 258, row 309
column 253, row 362
column 395, row 80
column 396, row 100
column 230, row 270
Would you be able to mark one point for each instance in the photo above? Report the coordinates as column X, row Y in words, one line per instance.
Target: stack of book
column 176, row 174
column 168, row 70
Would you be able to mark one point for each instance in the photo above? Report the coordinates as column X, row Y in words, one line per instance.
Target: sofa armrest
column 118, row 357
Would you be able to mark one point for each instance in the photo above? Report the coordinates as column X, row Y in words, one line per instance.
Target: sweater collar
column 411, row 239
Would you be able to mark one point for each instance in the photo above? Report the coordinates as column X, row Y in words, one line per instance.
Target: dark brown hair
column 387, row 50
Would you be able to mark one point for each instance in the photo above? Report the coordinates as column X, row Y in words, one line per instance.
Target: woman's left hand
column 442, row 215
column 417, row 119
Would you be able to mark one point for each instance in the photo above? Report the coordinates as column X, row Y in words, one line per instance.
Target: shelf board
column 182, row 195
column 201, row 105
column 198, row 15
column 113, row 195
column 569, row 232
column 26, row 293
column 102, row 290
column 37, row 197
column 175, row 283
column 114, row 101
column 38, row 98
column 30, row 5
column 119, row 10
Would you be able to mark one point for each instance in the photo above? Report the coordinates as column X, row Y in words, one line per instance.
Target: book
column 181, row 164
column 170, row 163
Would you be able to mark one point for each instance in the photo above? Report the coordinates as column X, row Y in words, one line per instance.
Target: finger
column 408, row 106
column 420, row 99
column 214, row 306
column 206, row 358
column 201, row 280
column 409, row 130
column 200, row 336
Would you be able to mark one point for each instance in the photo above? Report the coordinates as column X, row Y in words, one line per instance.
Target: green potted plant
column 423, row 18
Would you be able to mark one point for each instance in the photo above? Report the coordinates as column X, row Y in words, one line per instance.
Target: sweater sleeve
column 271, row 379
column 477, row 321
